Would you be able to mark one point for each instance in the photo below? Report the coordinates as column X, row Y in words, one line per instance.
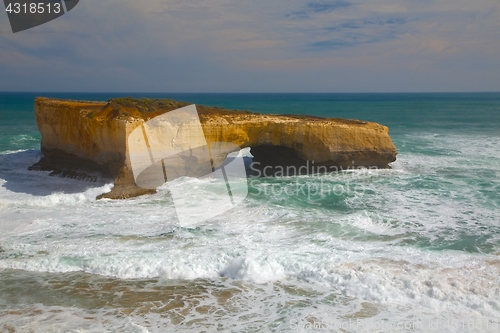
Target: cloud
column 327, row 6
column 258, row 45
column 356, row 32
column 319, row 7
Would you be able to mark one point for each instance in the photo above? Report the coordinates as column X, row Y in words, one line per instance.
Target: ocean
column 414, row 248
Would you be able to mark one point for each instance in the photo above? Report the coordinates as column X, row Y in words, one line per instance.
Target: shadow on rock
column 15, row 172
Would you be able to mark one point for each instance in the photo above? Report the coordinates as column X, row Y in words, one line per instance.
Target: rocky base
column 125, row 192
column 71, row 168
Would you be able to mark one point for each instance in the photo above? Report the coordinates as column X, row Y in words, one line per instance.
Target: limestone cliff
column 93, row 135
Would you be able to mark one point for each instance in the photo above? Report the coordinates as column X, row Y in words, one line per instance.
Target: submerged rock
column 83, row 135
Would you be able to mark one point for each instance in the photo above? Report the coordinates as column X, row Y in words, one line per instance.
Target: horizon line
column 221, row 92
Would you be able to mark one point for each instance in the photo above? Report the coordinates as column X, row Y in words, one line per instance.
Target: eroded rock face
column 82, row 135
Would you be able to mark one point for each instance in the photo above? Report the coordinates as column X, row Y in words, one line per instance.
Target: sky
column 258, row 46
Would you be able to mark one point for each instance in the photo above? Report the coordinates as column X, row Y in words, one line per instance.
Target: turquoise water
column 418, row 244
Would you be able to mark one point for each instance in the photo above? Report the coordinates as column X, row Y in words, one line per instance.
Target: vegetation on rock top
column 147, row 108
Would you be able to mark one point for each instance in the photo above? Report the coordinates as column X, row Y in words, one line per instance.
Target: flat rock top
column 131, row 108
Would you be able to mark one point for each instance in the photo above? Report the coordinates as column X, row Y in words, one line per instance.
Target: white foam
column 258, row 269
column 373, row 223
column 9, row 152
column 56, row 199
column 368, row 270
column 381, row 245
column 41, row 319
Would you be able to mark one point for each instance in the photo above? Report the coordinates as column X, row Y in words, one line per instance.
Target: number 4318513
column 33, row 8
